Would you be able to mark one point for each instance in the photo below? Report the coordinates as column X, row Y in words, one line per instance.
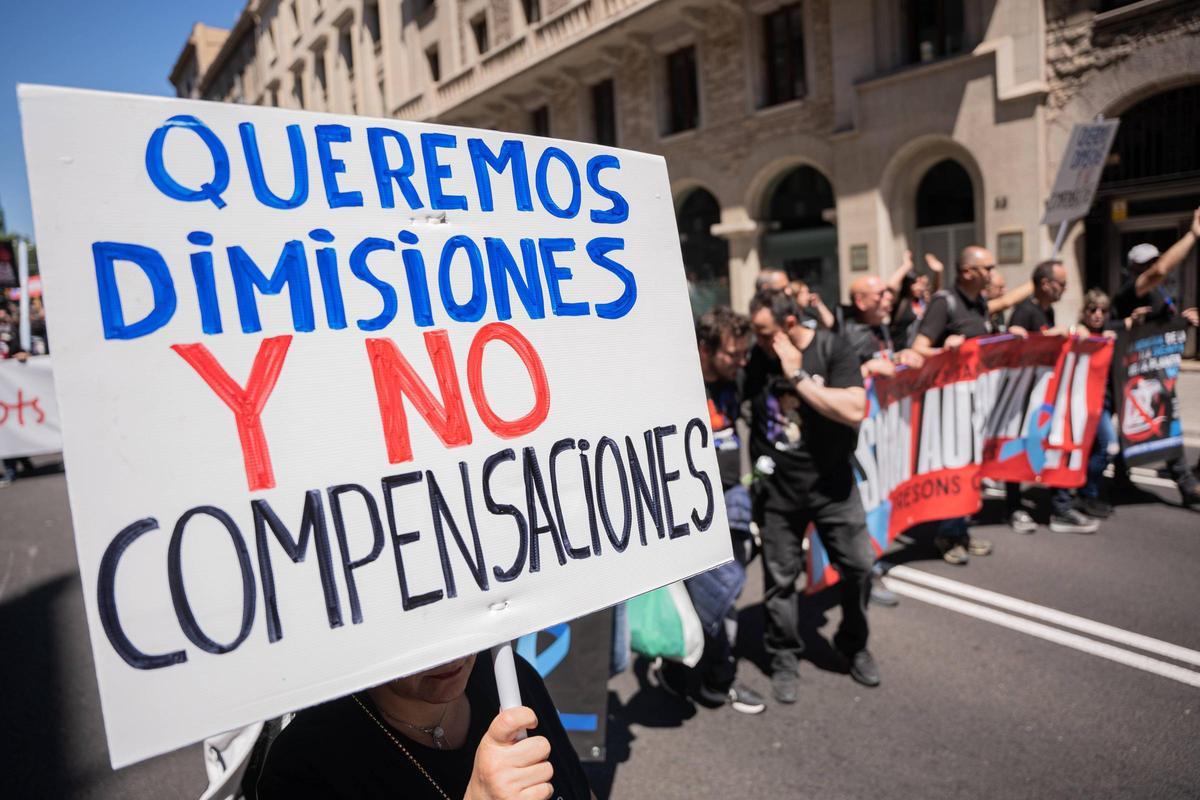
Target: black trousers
column 843, row 529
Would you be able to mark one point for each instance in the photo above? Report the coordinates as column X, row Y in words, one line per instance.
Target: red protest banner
column 1004, row 408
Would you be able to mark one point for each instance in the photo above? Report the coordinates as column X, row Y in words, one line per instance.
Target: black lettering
column 555, row 452
column 106, row 601
column 661, row 433
column 183, row 609
column 619, row 543
column 535, row 485
column 645, row 491
column 702, row 523
column 492, row 462
column 339, row 528
column 313, row 518
column 437, row 502
column 407, row 601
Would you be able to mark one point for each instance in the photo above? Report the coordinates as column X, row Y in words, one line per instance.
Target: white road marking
column 1037, row 629
column 1062, row 618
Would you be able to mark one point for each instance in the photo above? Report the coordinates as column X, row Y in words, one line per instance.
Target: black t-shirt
column 811, row 452
column 867, row 341
column 964, row 317
column 723, row 411
column 336, row 751
column 906, row 314
column 1127, row 299
column 1032, row 317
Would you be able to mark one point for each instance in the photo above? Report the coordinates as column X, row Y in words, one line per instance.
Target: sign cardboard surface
column 1080, row 171
column 344, row 399
column 29, row 424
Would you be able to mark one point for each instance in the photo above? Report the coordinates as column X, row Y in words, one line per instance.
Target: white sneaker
column 1021, row 522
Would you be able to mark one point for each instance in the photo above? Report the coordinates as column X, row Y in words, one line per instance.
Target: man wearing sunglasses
column 955, row 315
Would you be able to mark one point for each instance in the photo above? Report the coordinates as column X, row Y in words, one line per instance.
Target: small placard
column 1010, row 247
column 859, row 258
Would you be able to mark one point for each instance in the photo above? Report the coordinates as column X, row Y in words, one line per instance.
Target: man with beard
column 808, row 401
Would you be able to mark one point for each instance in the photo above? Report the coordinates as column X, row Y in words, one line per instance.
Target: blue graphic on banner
column 545, row 662
column 1031, row 442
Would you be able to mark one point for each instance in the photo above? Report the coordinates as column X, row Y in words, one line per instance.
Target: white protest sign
column 344, row 399
column 1080, row 170
column 29, row 423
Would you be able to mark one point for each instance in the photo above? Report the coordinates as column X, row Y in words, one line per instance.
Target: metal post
column 1058, row 240
column 23, row 334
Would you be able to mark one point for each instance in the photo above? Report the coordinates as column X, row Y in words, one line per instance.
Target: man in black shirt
column 1036, row 315
column 955, row 315
column 1142, row 293
column 723, row 342
column 806, row 409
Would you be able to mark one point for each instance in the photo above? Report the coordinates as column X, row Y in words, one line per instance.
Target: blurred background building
column 823, row 136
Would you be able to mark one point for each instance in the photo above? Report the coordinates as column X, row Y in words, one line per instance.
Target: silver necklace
column 403, row 749
column 435, row 732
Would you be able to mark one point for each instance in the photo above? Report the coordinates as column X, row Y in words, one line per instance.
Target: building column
column 743, row 236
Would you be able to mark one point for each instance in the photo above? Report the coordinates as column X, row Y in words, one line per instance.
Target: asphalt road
column 1018, row 703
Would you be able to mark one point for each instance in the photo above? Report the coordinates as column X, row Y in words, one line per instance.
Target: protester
column 1148, row 269
column 994, row 291
column 955, row 315
column 810, row 303
column 911, row 290
column 807, row 403
column 436, row 734
column 1095, row 320
column 723, row 340
column 1036, row 315
column 771, row 278
column 864, row 327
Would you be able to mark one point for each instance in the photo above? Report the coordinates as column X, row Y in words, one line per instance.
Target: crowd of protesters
column 791, row 376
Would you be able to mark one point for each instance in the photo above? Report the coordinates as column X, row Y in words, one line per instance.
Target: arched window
column 945, row 211
column 933, row 29
column 801, row 235
column 705, row 257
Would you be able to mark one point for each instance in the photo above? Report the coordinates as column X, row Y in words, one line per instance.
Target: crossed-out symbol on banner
column 1031, row 443
column 545, row 662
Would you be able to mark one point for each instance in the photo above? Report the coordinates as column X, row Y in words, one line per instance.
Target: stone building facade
column 824, row 136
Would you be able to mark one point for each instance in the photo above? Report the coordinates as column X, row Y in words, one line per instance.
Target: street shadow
column 813, row 616
column 33, row 746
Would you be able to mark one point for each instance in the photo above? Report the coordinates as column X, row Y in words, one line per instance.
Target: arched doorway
column 801, row 235
column 705, row 256
column 945, row 205
column 1148, row 192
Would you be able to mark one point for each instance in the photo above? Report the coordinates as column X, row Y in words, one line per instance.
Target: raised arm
column 1010, row 298
column 897, row 277
column 1169, row 260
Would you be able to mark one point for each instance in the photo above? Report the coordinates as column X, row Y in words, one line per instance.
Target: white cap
column 1143, row 254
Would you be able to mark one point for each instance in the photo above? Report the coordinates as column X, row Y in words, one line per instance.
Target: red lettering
column 499, row 331
column 246, row 404
column 395, row 378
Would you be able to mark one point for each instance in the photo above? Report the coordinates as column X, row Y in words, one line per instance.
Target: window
column 273, row 95
column 683, row 102
column 479, row 30
column 539, row 121
column 604, row 113
column 319, row 75
column 783, row 54
column 435, row 64
column 421, row 6
column 371, row 21
column 346, row 51
column 934, row 29
column 294, row 7
column 298, row 87
column 533, row 10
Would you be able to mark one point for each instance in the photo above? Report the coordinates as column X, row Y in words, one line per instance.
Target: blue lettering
column 255, row 167
column 332, row 167
column 105, row 255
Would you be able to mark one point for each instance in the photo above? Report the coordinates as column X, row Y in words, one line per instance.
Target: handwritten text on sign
column 347, row 398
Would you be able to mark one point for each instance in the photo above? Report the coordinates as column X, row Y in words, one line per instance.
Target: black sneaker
column 740, row 699
column 785, row 686
column 1073, row 521
column 863, row 668
column 1095, row 507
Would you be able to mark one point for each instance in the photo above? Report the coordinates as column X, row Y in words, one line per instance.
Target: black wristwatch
column 800, row 376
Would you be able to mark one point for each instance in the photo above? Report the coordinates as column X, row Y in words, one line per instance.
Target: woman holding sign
column 437, row 734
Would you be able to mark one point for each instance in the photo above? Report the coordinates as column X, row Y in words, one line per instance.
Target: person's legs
column 1098, row 461
column 1020, row 520
column 951, row 540
column 1189, row 487
column 783, row 560
column 843, row 530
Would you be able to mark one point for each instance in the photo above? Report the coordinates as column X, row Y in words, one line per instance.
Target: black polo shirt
column 867, row 341
column 964, row 317
column 1031, row 316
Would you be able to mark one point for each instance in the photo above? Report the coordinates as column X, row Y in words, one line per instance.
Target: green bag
column 663, row 624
